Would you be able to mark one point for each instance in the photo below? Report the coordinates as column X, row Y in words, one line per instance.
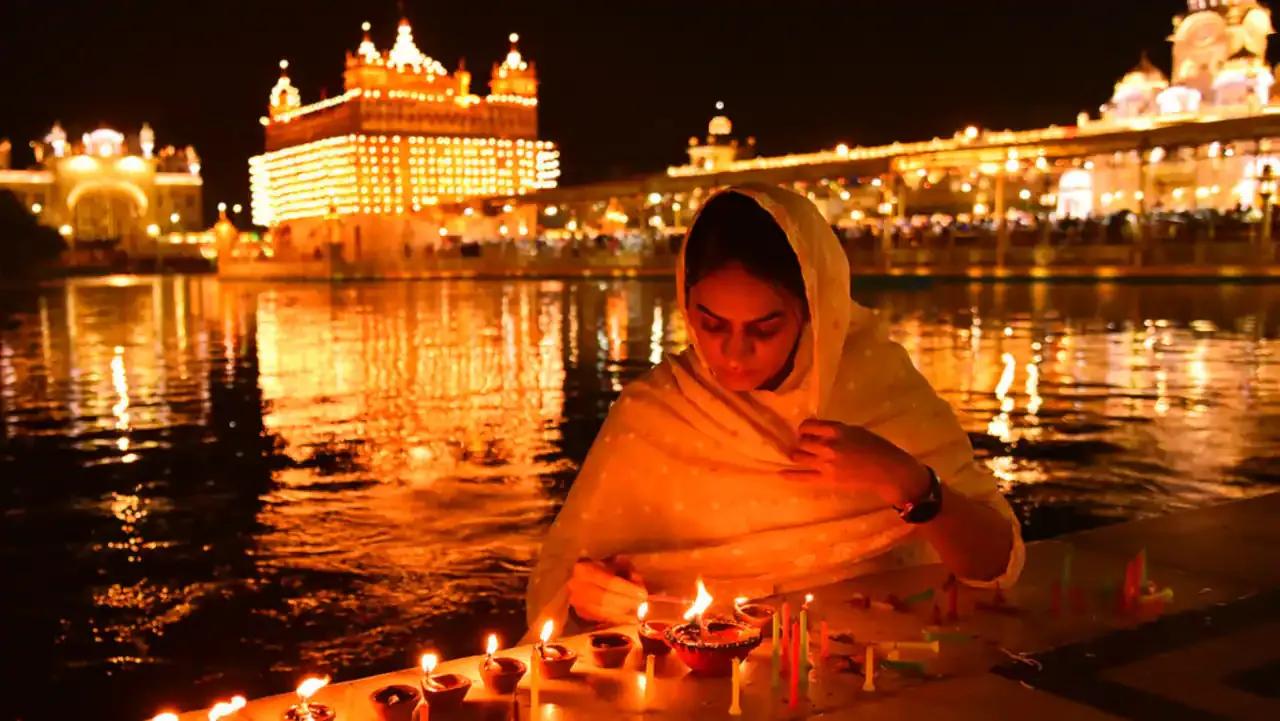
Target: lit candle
column 804, row 631
column 699, row 607
column 306, row 690
column 735, row 706
column 535, row 661
column 226, row 708
column 490, row 648
column 869, row 670
column 429, row 662
column 824, row 642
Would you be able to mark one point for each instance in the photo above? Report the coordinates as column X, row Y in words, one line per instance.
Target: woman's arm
column 973, row 539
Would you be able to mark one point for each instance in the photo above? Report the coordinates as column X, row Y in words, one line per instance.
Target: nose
column 736, row 350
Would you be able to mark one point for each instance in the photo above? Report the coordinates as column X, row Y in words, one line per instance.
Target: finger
column 820, row 428
column 807, row 459
column 624, row 589
column 604, row 582
column 819, row 448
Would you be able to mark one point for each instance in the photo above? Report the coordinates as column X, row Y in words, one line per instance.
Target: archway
column 106, row 211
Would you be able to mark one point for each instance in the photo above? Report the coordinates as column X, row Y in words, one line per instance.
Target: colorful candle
column 794, row 665
column 648, row 675
column 535, row 663
column 777, row 634
column 786, row 626
column 804, row 632
column 869, row 670
column 735, row 706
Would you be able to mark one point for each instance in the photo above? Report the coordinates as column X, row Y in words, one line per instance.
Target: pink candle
column 794, row 700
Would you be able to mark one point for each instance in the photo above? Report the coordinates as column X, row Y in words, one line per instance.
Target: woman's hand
column 609, row 591
column 834, row 452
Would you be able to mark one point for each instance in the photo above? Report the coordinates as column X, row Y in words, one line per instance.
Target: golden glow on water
column 334, row 476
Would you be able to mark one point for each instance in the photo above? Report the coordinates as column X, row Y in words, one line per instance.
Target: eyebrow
column 762, row 319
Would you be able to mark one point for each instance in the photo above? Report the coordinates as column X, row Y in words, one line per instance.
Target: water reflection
column 216, row 487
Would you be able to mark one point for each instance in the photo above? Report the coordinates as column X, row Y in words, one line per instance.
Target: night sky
column 623, row 84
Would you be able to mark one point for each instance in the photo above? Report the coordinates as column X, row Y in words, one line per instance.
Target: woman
column 791, row 445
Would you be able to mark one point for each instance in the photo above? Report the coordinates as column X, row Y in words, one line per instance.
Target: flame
column 492, row 646
column 309, row 686
column 700, row 604
column 808, row 599
column 642, row 611
column 429, row 663
column 740, row 601
column 547, row 628
column 226, row 708
column 166, row 716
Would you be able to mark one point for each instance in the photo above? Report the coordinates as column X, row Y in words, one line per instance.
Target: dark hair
column 733, row 228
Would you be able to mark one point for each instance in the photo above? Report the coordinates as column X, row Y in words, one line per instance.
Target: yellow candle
column 869, row 670
column 735, row 706
column 534, row 674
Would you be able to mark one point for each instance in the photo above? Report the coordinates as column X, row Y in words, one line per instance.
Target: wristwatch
column 925, row 508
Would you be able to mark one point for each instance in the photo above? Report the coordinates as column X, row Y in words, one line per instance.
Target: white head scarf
column 684, row 480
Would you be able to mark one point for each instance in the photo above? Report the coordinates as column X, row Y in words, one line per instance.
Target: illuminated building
column 109, row 191
column 720, row 148
column 386, row 167
column 1195, row 139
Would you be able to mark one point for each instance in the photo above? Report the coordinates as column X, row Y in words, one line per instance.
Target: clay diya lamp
column 758, row 615
column 653, row 638
column 711, row 647
column 305, row 709
column 394, row 703
column 501, row 675
column 555, row 661
column 610, row 649
column 445, row 692
column 652, row 634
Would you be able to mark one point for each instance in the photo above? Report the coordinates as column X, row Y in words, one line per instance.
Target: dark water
column 212, row 488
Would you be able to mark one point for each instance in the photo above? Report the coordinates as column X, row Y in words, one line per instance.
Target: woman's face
column 745, row 327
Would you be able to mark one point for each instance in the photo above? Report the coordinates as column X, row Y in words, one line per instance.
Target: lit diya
column 710, row 647
column 394, row 703
column 554, row 660
column 222, row 709
column 501, row 675
column 652, row 634
column 443, row 692
column 305, row 710
column 758, row 615
column 610, row 649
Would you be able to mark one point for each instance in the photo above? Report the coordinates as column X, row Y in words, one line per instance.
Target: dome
column 720, row 125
